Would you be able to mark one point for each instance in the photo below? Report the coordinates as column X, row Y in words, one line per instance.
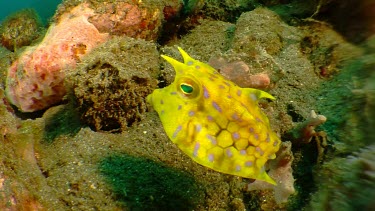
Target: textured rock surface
column 269, row 33
column 35, row 79
column 20, row 29
column 112, row 82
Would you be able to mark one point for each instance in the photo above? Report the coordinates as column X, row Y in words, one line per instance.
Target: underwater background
column 44, row 8
column 101, row 109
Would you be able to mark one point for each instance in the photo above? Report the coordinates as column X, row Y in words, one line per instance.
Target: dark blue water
column 45, row 8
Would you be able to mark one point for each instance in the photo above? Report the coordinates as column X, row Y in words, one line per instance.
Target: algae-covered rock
column 138, row 19
column 208, row 38
column 326, row 48
column 228, row 10
column 6, row 57
column 20, row 29
column 260, row 27
column 111, row 83
column 347, row 183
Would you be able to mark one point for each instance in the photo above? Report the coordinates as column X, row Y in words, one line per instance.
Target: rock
column 111, row 84
column 35, row 79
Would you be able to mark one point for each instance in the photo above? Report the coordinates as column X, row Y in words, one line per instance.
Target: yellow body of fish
column 215, row 122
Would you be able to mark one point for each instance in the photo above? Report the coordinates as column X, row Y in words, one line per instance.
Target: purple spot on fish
column 216, row 106
column 251, row 130
column 191, row 113
column 256, row 136
column 275, row 143
column 197, row 67
column 211, row 79
column 210, row 118
column 179, row 107
column 212, row 139
column 173, row 93
column 235, row 136
column 161, row 102
column 229, row 96
column 258, row 120
column 211, row 157
column 268, row 138
column 196, row 148
column 189, row 63
column 198, row 128
column 205, row 92
column 235, row 117
column 229, row 153
column 248, row 163
column 238, row 168
column 258, row 149
column 178, row 129
column 243, row 152
column 239, row 92
column 221, row 86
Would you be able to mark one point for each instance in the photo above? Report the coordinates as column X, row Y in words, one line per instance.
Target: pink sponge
column 35, row 79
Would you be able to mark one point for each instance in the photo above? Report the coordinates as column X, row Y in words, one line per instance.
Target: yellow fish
column 215, row 122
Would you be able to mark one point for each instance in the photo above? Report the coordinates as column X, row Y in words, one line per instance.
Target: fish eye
column 186, row 88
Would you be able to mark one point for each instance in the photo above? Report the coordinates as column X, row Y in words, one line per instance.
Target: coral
column 20, row 29
column 281, row 171
column 239, row 73
column 35, row 80
column 305, row 131
column 138, row 19
column 129, row 18
column 111, row 83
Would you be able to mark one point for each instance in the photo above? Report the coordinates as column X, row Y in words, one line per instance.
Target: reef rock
column 111, row 83
column 20, row 29
column 35, row 79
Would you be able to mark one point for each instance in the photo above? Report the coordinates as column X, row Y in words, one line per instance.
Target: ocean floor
column 76, row 131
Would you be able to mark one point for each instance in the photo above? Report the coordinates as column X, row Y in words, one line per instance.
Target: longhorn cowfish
column 215, row 122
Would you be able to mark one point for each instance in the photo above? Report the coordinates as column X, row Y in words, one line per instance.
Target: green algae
column 346, row 183
column 143, row 184
column 63, row 121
